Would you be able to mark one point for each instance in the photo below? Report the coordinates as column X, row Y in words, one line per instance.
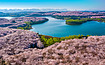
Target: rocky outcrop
column 20, row 21
column 16, row 49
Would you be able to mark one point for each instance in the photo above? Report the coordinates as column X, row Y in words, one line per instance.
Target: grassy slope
column 48, row 40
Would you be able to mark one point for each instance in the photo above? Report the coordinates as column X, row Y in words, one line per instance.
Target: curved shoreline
column 29, row 24
column 20, row 22
column 74, row 23
column 79, row 23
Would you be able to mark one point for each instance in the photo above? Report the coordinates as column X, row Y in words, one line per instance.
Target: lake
column 58, row 28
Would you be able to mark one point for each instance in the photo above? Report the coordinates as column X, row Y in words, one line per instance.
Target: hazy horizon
column 53, row 4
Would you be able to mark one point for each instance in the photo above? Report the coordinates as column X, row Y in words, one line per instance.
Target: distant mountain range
column 30, row 10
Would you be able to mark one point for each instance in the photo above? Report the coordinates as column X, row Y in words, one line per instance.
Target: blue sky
column 64, row 4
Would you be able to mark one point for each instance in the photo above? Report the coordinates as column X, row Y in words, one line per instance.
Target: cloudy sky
column 61, row 4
